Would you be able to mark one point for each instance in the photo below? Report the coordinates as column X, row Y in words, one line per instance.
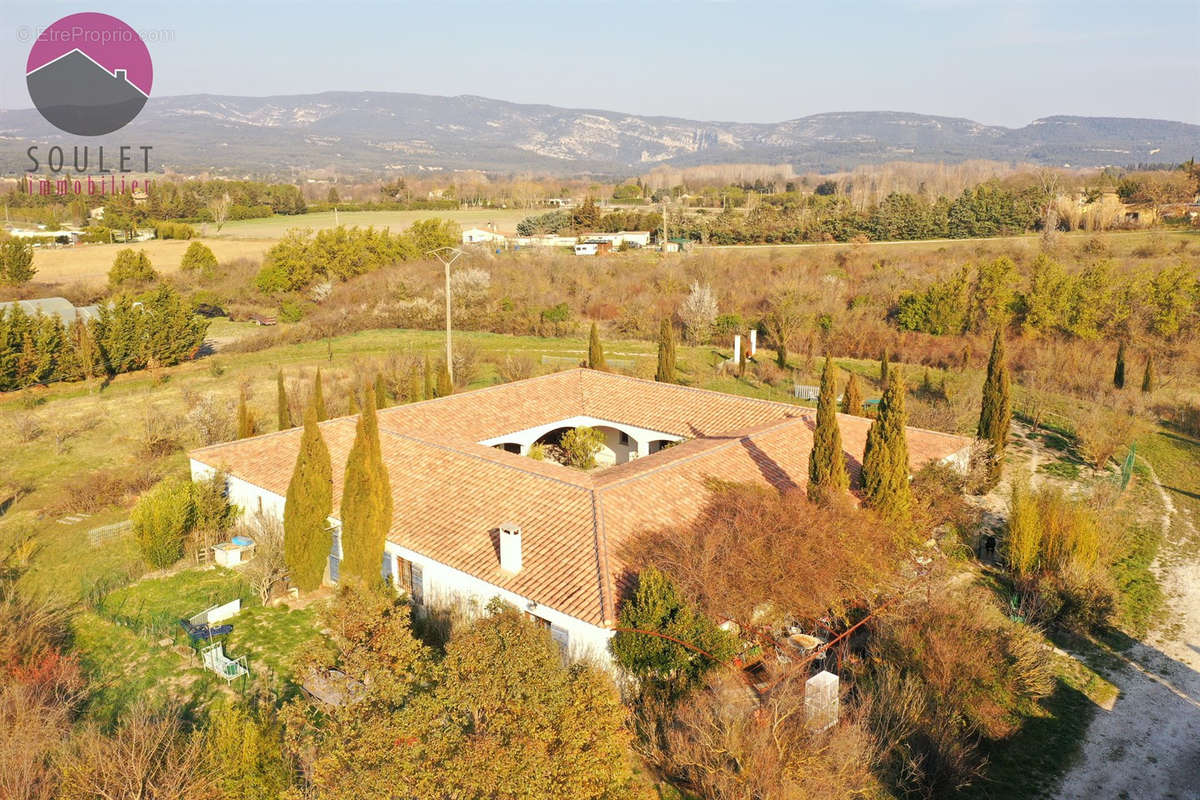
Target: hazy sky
column 995, row 62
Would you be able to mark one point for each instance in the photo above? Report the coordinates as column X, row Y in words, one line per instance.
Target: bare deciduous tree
column 268, row 567
column 698, row 312
column 219, row 207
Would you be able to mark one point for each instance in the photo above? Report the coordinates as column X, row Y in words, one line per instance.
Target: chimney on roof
column 120, row 74
column 510, row 547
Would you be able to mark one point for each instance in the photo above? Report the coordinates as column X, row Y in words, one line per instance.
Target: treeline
column 156, row 329
column 588, row 218
column 189, row 201
column 301, row 258
column 986, row 210
column 1092, row 303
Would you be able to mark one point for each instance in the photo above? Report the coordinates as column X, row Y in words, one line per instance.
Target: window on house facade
column 410, row 580
column 624, row 438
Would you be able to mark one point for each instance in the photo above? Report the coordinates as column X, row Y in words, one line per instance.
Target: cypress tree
column 595, row 358
column 428, row 377
column 885, row 370
column 445, row 387
column 852, row 398
column 245, row 422
column 827, row 476
column 885, row 459
column 1149, row 379
column 415, row 386
column 306, row 542
column 285, row 416
column 666, row 353
column 319, row 398
column 353, row 401
column 995, row 413
column 1119, row 370
column 366, row 512
column 381, row 398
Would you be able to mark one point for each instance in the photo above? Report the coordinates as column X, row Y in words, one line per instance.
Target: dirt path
column 1148, row 746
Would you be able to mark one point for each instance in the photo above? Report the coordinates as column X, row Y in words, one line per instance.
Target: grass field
column 90, row 263
column 505, row 219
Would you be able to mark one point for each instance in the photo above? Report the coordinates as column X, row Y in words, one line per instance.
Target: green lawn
column 134, row 649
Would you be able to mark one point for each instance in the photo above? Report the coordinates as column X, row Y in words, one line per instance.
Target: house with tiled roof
column 475, row 517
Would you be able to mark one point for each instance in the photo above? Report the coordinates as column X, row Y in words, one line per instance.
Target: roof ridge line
column 696, row 389
column 607, row 606
column 292, row 429
column 729, row 440
column 588, row 485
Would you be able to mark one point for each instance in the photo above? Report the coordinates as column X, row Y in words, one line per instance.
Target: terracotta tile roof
column 450, row 493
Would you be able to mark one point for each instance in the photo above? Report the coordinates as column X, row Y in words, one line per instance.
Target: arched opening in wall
column 660, row 444
column 509, row 447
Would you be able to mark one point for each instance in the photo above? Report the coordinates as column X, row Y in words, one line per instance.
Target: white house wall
column 446, row 587
column 442, row 585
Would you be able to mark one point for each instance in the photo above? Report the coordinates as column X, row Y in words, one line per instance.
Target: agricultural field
column 274, row 227
column 89, row 263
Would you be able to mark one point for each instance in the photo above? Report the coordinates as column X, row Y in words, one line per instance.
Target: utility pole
column 447, row 255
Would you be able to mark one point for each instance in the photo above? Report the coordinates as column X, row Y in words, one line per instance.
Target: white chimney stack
column 737, row 349
column 510, row 547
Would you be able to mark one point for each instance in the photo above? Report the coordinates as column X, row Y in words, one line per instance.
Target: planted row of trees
column 129, row 334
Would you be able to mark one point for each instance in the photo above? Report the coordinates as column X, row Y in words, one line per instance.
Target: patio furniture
column 215, row 660
column 203, row 631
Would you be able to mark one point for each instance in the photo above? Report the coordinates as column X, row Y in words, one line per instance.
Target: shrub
column 162, row 520
column 580, row 446
column 200, row 259
column 131, row 267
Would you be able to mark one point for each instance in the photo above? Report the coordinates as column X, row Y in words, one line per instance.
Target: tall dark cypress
column 1149, row 378
column 366, row 512
column 1119, row 369
column 285, row 416
column 306, row 539
column 595, row 358
column 666, row 353
column 852, row 402
column 381, row 398
column 445, row 387
column 885, row 459
column 885, row 370
column 995, row 413
column 245, row 422
column 827, row 476
column 428, row 377
column 319, row 398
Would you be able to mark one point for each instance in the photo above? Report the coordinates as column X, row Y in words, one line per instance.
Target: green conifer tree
column 827, row 476
column 428, row 378
column 285, row 416
column 416, row 389
column 306, row 538
column 352, row 402
column 666, row 353
column 366, row 511
column 445, row 387
column 885, row 370
column 595, row 358
column 995, row 413
column 1119, row 370
column 885, row 470
column 852, row 402
column 319, row 398
column 245, row 421
column 1149, row 378
column 381, row 398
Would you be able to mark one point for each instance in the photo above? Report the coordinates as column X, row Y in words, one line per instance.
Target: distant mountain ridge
column 370, row 132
